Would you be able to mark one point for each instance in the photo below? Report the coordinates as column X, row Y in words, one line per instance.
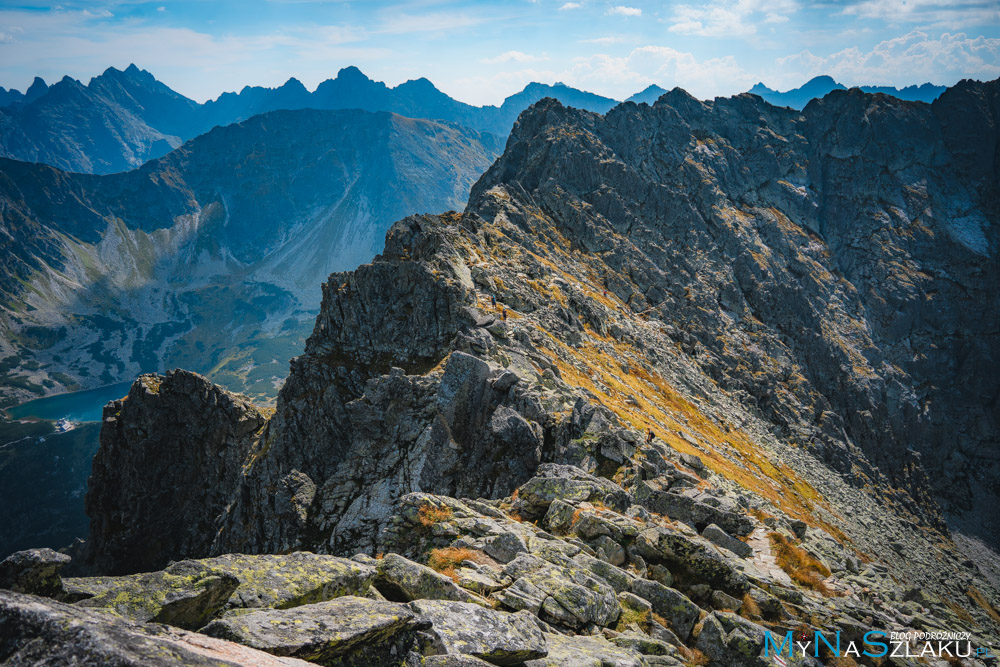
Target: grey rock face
column 39, row 631
column 462, row 628
column 169, row 432
column 35, row 571
column 403, row 580
column 726, row 541
column 186, row 595
column 348, row 630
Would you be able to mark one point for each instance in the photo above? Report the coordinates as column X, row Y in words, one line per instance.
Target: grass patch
column 428, row 515
column 750, row 609
column 630, row 616
column 799, row 565
column 446, row 560
column 693, row 657
column 983, row 603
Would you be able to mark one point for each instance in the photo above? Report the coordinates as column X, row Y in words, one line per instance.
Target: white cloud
column 940, row 13
column 161, row 9
column 663, row 65
column 603, row 40
column 570, row 5
column 433, row 22
column 729, row 18
column 910, row 59
column 511, row 57
column 622, row 10
column 53, row 44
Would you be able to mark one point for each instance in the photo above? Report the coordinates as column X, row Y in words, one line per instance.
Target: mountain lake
column 76, row 406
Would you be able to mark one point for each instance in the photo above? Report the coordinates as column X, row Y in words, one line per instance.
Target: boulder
column 39, row 631
column 187, row 594
column 568, row 596
column 347, row 630
column 33, row 571
column 669, row 603
column 568, row 484
column 283, row 581
column 497, row 637
column 583, row 651
column 720, row 537
column 403, row 580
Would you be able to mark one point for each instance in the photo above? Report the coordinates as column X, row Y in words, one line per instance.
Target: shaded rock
column 582, row 651
column 38, row 631
column 403, row 580
column 498, row 637
column 644, row 644
column 672, row 605
column 170, row 430
column 33, row 571
column 720, row 537
column 187, row 594
column 347, row 630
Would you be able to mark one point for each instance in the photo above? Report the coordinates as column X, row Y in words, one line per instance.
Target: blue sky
column 480, row 52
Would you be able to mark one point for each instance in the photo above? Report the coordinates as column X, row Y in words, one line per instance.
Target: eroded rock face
column 170, row 458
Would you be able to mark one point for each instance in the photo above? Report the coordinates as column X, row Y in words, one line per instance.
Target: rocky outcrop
column 38, row 631
column 146, row 458
column 708, row 333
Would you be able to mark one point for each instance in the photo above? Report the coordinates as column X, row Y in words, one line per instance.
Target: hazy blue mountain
column 819, row 86
column 121, row 119
column 118, row 121
column 212, row 256
column 649, row 95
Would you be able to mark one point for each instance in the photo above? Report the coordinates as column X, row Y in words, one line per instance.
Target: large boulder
column 173, row 432
column 498, row 637
column 39, row 631
column 568, row 596
column 672, row 605
column 33, row 571
column 567, row 484
column 349, row 630
column 187, row 594
column 403, row 580
column 282, row 581
column 582, row 651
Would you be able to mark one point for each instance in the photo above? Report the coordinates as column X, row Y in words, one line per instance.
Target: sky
column 482, row 51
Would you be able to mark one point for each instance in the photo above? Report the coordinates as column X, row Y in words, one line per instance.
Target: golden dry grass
column 428, row 515
column 799, row 565
column 981, row 600
column 447, row 559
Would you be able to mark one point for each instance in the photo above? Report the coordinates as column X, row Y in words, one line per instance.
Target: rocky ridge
column 689, row 420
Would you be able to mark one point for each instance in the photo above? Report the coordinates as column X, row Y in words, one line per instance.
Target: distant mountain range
column 819, row 86
column 212, row 256
column 124, row 118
